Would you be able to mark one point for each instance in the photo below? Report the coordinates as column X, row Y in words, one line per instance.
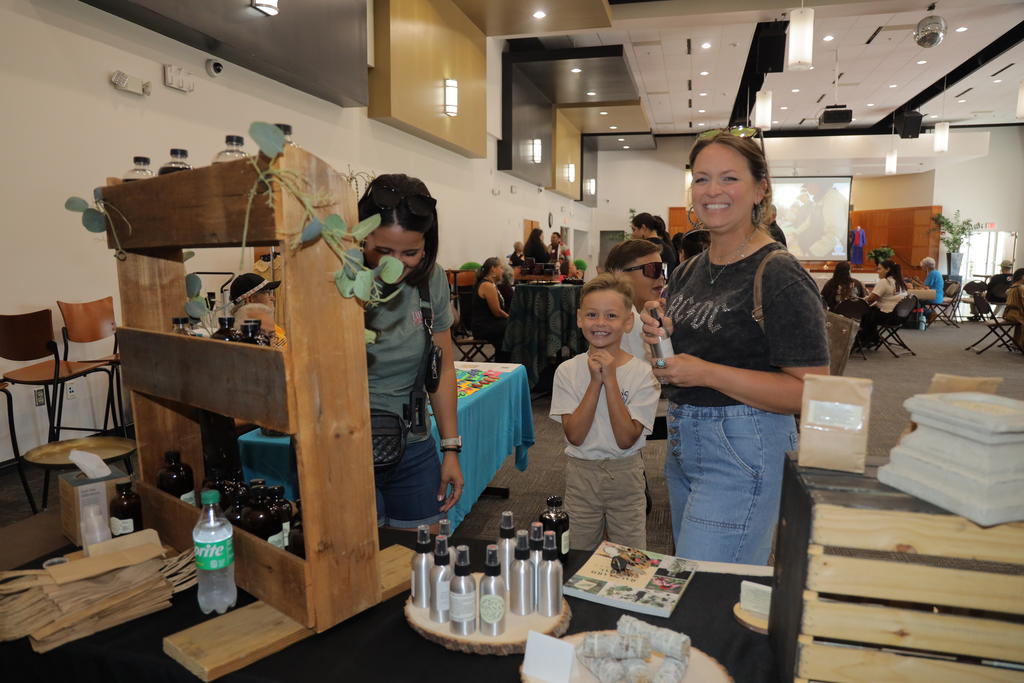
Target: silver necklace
column 738, row 252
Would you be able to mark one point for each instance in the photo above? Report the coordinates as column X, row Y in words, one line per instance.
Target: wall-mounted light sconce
column 591, row 186
column 801, row 39
column 570, row 172
column 687, row 182
column 763, row 110
column 536, row 154
column 1020, row 100
column 890, row 162
column 268, row 7
column 451, row 97
column 941, row 141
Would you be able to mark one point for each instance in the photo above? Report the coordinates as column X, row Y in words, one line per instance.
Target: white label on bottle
column 119, row 527
column 463, row 606
column 565, row 542
column 442, row 596
column 492, row 608
column 279, row 539
column 189, row 497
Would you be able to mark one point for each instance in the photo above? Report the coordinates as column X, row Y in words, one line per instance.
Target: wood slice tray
column 702, row 667
column 512, row 641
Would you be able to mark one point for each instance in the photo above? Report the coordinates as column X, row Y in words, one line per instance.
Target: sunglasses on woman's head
column 653, row 270
column 738, row 132
column 388, row 198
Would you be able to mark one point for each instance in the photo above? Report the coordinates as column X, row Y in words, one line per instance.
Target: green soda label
column 215, row 555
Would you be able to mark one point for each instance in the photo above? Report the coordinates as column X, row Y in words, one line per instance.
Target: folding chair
column 948, row 310
column 1002, row 330
column 463, row 282
column 889, row 332
column 970, row 289
column 854, row 309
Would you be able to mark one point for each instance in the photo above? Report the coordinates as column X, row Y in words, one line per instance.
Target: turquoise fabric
column 934, row 281
column 271, row 458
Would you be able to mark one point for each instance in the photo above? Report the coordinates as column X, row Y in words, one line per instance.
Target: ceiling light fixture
column 613, row 127
column 871, row 104
column 700, row 124
column 451, row 97
column 591, row 93
column 536, row 151
column 891, row 162
column 570, row 172
column 622, row 139
column 625, row 147
column 801, row 38
column 997, row 80
column 828, row 39
column 591, row 186
column 705, row 73
column 603, row 113
column 961, row 101
column 539, row 14
column 922, row 61
column 575, row 69
column 940, row 143
column 783, row 108
column 961, row 29
column 705, row 46
column 763, row 110
column 893, row 85
column 703, row 94
column 1020, row 100
column 702, row 111
column 795, row 90
column 934, row 116
column 268, row 7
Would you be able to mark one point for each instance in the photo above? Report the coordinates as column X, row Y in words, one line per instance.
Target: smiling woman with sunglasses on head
column 640, row 261
column 733, row 386
column 419, row 489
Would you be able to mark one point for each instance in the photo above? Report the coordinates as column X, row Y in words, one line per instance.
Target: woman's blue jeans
column 724, row 475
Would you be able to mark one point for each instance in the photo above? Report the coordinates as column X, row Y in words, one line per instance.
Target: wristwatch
column 455, row 441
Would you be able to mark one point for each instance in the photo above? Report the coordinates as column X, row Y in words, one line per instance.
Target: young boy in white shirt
column 606, row 400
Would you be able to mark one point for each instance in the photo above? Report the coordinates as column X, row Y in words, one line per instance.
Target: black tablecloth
column 378, row 645
column 542, row 320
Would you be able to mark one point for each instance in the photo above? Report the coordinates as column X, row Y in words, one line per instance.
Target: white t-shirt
column 633, row 341
column 640, row 392
column 888, row 297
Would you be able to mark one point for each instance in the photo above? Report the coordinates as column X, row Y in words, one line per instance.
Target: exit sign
column 990, row 226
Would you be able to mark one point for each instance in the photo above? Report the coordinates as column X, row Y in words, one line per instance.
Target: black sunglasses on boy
column 652, row 270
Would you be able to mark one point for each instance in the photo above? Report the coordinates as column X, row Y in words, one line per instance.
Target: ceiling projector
column 835, row 116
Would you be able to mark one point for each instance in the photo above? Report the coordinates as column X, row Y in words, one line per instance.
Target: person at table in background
column 560, row 254
column 535, row 247
column 932, row 280
column 733, row 387
column 420, row 489
column 606, row 400
column 841, row 287
column 889, row 291
column 652, row 229
column 690, row 243
column 515, row 259
column 640, row 262
column 998, row 284
column 250, row 288
column 489, row 316
column 1014, row 311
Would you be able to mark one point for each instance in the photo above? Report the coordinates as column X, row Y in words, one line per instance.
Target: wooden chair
column 889, row 332
column 89, row 322
column 1001, row 329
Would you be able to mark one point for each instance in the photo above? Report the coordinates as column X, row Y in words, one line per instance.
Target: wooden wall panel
column 909, row 231
column 567, row 151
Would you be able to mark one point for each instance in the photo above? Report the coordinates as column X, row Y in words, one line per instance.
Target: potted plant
column 953, row 232
column 882, row 253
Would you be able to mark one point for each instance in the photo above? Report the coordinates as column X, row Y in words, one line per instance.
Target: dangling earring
column 755, row 215
column 694, row 220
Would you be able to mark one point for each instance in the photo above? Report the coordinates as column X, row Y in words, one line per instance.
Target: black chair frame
column 889, row 332
column 1002, row 330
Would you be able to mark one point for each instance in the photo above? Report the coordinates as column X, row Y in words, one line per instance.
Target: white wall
column 68, row 129
column 648, row 181
column 892, row 192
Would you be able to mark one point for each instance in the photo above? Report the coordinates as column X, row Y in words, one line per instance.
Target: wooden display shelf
column 872, row 584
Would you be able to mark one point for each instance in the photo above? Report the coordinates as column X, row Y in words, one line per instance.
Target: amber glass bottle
column 176, row 478
column 125, row 511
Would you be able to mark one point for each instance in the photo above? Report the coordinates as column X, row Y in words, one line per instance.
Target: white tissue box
column 76, row 491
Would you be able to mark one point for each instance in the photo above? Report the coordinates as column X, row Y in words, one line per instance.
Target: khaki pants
column 606, row 496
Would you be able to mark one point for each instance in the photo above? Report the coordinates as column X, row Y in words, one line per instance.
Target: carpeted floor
column 939, row 349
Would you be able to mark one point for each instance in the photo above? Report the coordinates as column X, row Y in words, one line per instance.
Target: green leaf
column 193, row 285
column 364, row 227
column 268, row 136
column 196, row 309
column 345, row 284
column 186, row 255
column 369, row 336
column 391, row 269
column 336, row 223
column 364, row 285
column 76, row 204
column 312, row 231
column 94, row 221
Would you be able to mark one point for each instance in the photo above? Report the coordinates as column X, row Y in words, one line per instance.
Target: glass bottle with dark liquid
column 178, row 162
column 140, row 170
column 296, row 538
column 556, row 519
column 257, row 518
column 251, row 332
column 125, row 511
column 176, row 478
column 227, row 331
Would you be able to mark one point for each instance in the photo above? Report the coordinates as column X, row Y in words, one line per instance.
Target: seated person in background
column 606, row 400
column 1014, row 312
column 515, row 259
column 691, row 243
column 841, row 287
column 535, row 247
column 265, row 314
column 507, row 285
column 889, row 291
column 489, row 318
column 995, row 293
column 640, row 261
column 932, row 280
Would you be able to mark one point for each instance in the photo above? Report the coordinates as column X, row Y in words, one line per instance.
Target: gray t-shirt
column 714, row 322
column 394, row 359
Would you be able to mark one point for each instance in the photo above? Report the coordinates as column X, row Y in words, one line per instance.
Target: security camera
column 214, row 68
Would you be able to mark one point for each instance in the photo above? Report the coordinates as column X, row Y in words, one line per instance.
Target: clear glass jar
column 286, row 128
column 233, row 151
column 140, row 171
column 180, row 326
column 178, row 162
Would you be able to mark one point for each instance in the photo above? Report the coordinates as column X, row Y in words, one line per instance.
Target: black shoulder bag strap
column 416, row 409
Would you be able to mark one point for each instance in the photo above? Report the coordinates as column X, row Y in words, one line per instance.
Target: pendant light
column 763, row 110
column 801, row 38
column 1020, row 100
column 940, row 139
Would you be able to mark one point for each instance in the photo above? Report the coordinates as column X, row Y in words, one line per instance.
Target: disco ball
column 930, row 31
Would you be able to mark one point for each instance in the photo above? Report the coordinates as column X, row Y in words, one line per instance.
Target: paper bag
column 834, row 422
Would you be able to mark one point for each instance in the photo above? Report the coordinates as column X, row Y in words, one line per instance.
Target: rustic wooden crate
column 872, row 584
column 314, row 389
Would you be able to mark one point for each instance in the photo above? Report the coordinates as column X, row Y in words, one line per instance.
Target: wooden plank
column 865, row 665
column 325, row 365
column 271, row 574
column 394, row 562
column 903, row 628
column 916, row 583
column 233, row 640
column 237, row 380
column 204, row 207
column 926, row 534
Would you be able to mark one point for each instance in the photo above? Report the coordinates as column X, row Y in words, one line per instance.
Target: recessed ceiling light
column 774, row 121
column 795, row 90
column 922, row 61
column 613, row 127
column 625, row 147
column 701, row 111
column 893, row 85
column 828, row 39
column 852, row 120
column 961, row 101
column 707, row 45
column 997, row 80
column 703, row 94
column 700, row 124
column 783, row 108
column 539, row 14
column 871, row 104
column 934, row 116
column 961, row 29
column 622, row 139
column 575, row 69
column 591, row 93
column 705, row 73
column 603, row 113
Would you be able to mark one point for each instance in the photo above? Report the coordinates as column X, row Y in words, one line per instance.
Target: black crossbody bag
column 390, row 431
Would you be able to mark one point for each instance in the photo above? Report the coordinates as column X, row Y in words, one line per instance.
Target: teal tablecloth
column 494, row 422
column 542, row 320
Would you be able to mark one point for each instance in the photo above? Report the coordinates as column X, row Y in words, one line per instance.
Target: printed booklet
column 632, row 579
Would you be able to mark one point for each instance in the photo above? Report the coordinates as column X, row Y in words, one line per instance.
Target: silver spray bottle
column 492, row 595
column 521, row 596
column 463, row 595
column 506, row 547
column 549, row 580
column 440, row 578
column 421, row 564
column 536, row 555
column 444, row 527
column 663, row 349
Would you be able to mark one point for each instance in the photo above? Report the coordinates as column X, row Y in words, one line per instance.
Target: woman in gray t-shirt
column 733, row 387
